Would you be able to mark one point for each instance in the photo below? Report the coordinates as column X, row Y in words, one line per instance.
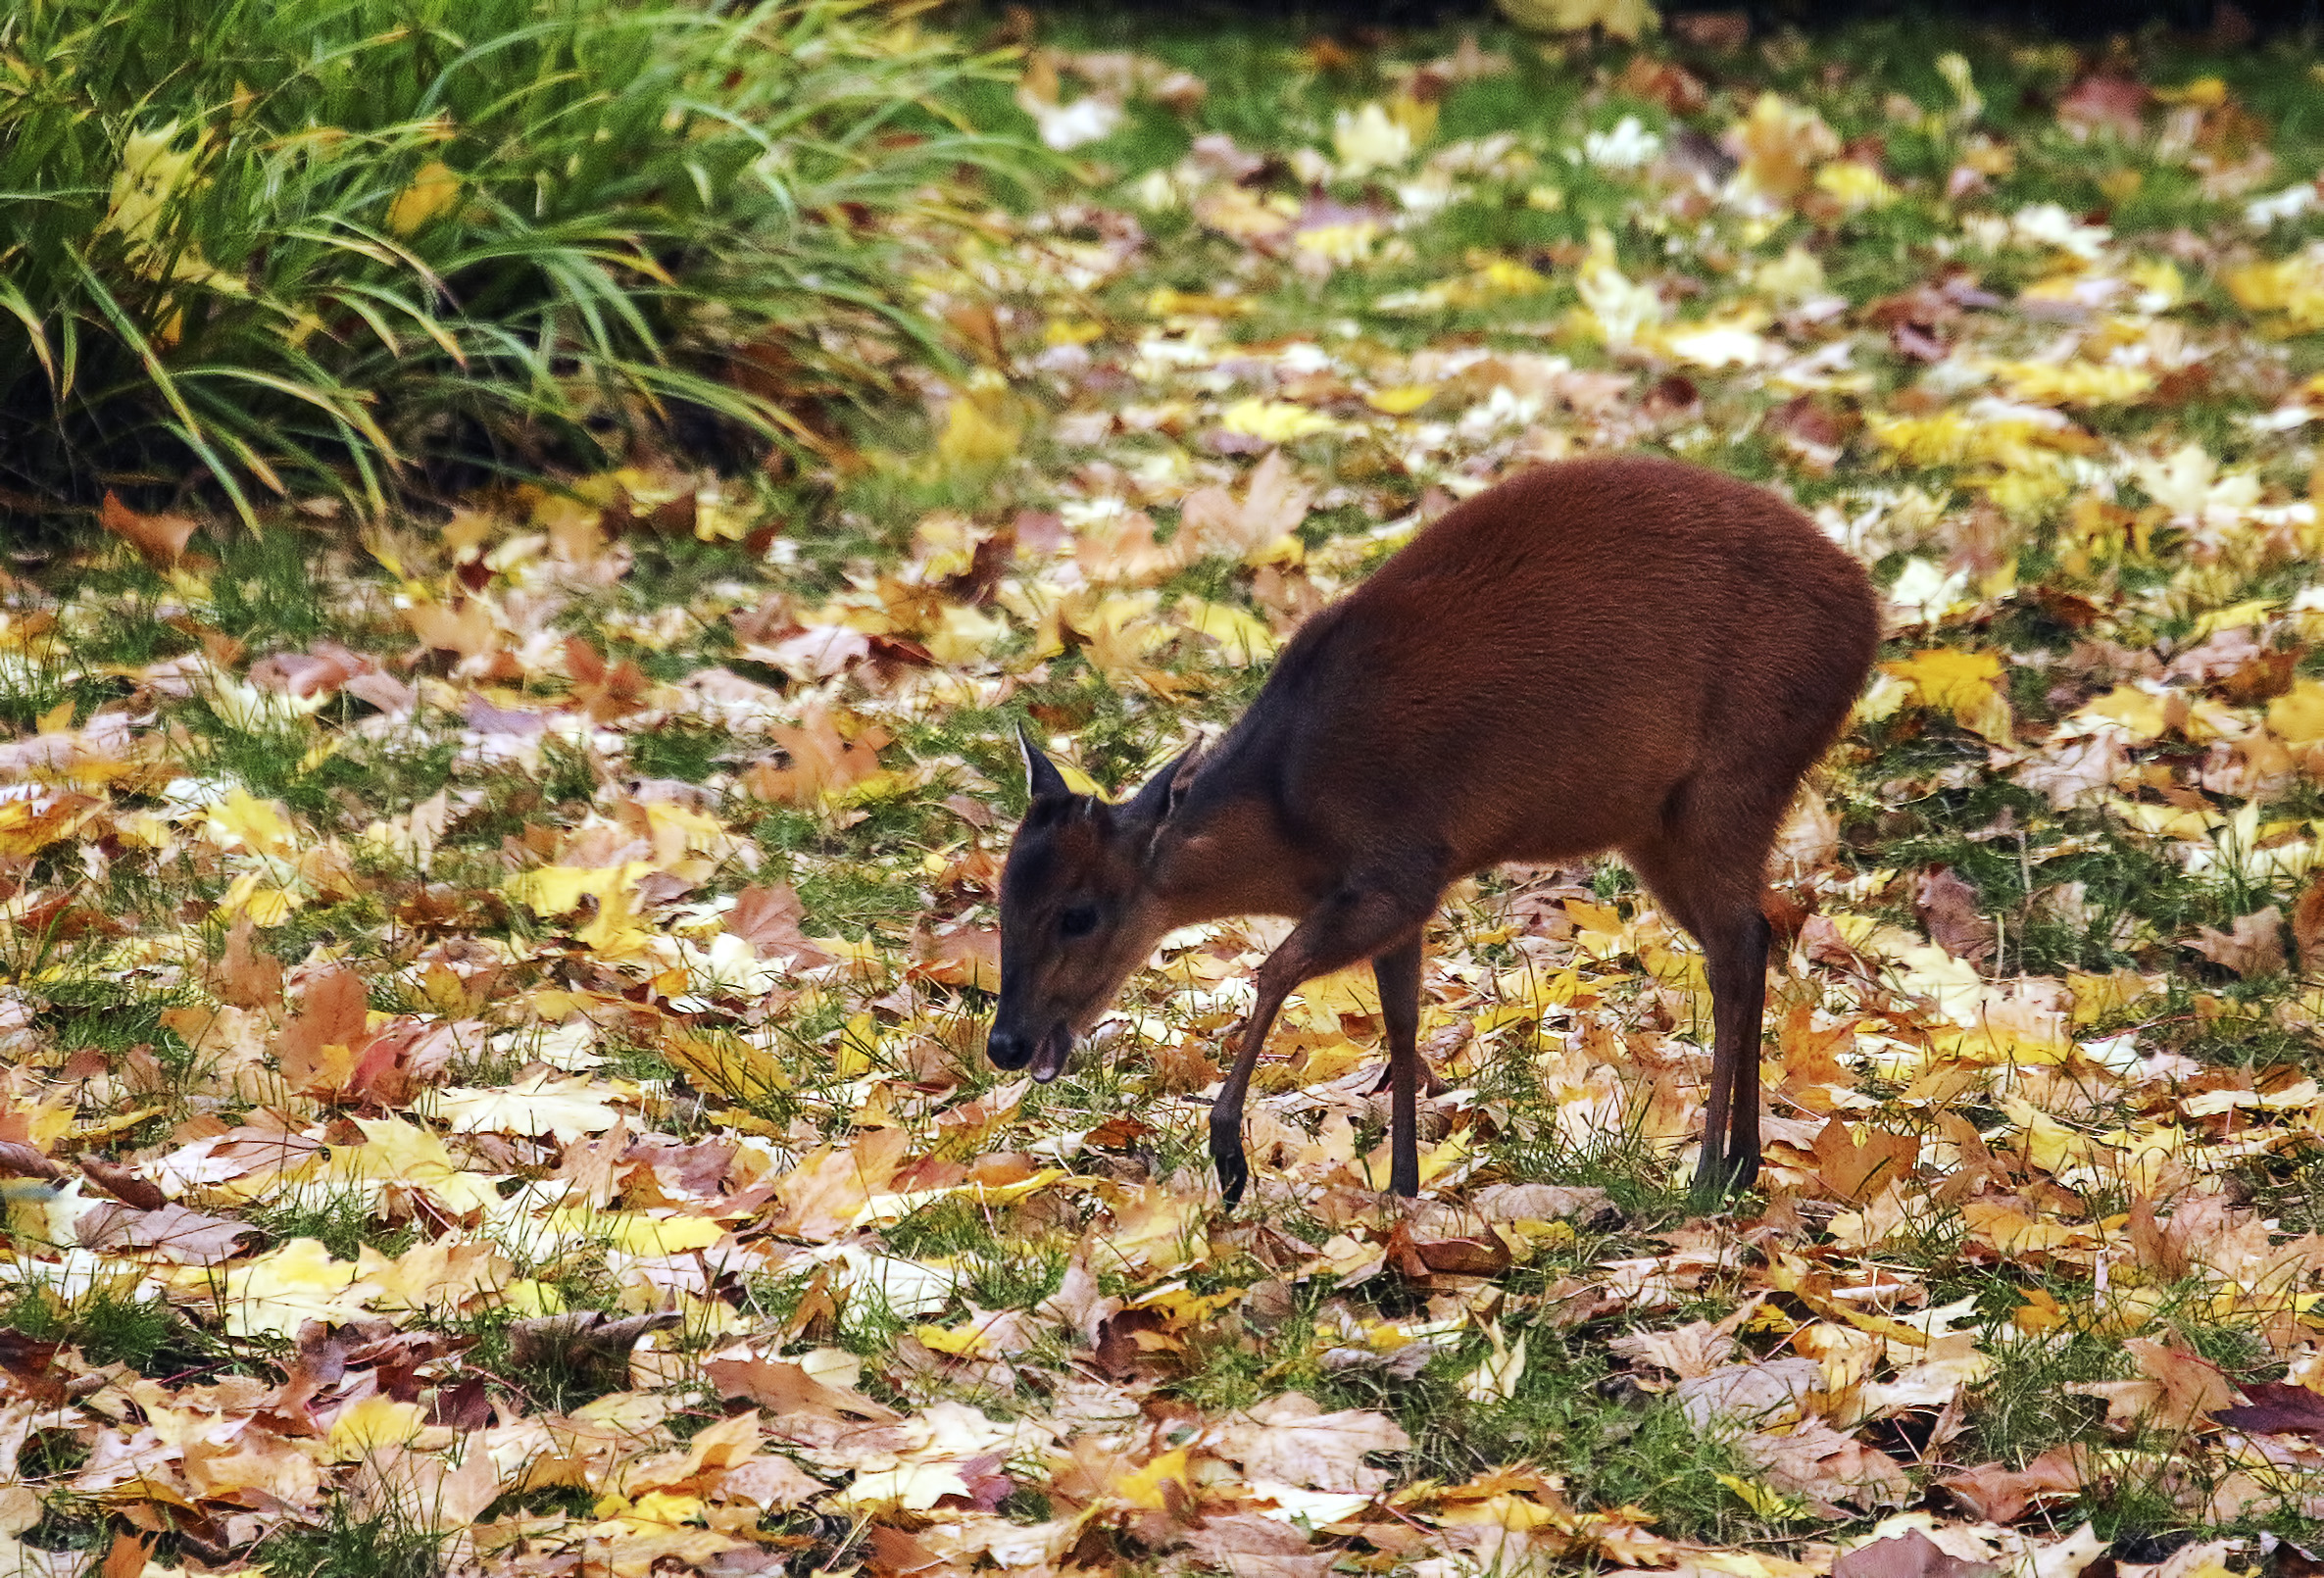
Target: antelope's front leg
column 1356, row 923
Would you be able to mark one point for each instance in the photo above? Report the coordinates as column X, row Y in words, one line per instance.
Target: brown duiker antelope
column 1616, row 653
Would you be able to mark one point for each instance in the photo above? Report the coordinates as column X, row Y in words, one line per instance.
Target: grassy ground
column 522, row 974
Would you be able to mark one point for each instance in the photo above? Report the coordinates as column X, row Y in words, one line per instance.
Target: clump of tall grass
column 343, row 246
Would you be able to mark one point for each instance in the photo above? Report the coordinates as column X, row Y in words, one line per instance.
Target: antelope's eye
column 1078, row 921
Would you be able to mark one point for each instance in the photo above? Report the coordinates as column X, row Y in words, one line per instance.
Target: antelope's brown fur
column 1619, row 653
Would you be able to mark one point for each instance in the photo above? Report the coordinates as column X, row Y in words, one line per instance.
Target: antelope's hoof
column 1234, row 1175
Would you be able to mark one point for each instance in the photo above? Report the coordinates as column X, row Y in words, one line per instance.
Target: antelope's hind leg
column 1397, row 972
column 1710, row 879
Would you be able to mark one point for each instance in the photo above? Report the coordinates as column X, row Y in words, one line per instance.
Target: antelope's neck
column 1235, row 861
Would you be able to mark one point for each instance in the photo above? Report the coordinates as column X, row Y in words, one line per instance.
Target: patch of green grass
column 349, row 1543
column 2022, row 1410
column 533, row 285
column 110, row 1327
column 264, row 588
column 341, row 1221
column 680, row 751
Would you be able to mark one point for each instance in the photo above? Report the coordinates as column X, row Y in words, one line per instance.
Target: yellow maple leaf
column 275, row 1294
column 369, row 1425
column 250, row 894
column 1243, row 638
column 1275, row 421
column 566, row 1107
column 2294, row 285
column 1401, row 399
column 239, row 822
column 1370, row 139
column 963, row 634
column 1966, row 684
column 434, row 192
column 1150, row 1486
column 971, row 438
column 2073, row 383
column 1858, row 185
column 2297, row 717
column 556, row 890
column 967, row 1339
column 2144, row 714
column 1769, row 1504
column 639, row 1233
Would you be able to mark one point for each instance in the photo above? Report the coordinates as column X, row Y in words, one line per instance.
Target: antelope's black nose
column 1008, row 1049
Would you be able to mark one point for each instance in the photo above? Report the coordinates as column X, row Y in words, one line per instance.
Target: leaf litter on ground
column 501, row 1069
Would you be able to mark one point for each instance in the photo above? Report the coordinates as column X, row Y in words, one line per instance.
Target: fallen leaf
column 1911, row 1555
column 2253, row 945
column 161, row 538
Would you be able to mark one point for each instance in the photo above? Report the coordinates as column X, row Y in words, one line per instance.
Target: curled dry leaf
column 1948, row 907
column 1292, row 1441
column 2253, row 945
column 2275, row 1407
column 124, row 1184
column 579, row 1333
column 1911, row 1555
column 173, row 1232
column 161, row 538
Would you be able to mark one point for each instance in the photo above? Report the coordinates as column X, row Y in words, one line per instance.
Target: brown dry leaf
column 124, row 1184
column 819, row 1199
column 1274, row 502
column 466, row 629
column 326, row 667
column 2252, row 946
column 2307, row 926
column 1815, row 1460
column 968, row 956
column 1911, row 1555
column 125, row 1556
column 1769, row 1391
column 1688, row 1351
column 786, row 1387
column 1246, row 1545
column 1291, row 1441
column 2275, row 1407
column 423, row 1490
column 175, row 1233
column 246, row 975
column 604, row 691
column 21, row 1160
column 768, row 918
column 1855, row 1169
column 316, row 1045
column 2102, row 102
column 2001, row 1495
column 1121, row 548
column 772, row 1484
column 2176, row 1391
column 161, row 538
column 823, row 761
column 1947, row 907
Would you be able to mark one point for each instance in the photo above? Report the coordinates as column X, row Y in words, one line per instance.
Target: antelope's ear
column 1159, row 799
column 1043, row 782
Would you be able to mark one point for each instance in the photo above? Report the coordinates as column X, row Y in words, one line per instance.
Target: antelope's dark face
column 1078, row 916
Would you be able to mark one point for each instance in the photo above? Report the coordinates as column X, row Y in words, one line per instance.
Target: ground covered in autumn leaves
column 493, row 1040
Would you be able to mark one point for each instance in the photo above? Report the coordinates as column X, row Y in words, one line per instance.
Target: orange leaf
column 161, row 538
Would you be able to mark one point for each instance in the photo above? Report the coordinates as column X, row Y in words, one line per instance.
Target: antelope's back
column 1585, row 635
